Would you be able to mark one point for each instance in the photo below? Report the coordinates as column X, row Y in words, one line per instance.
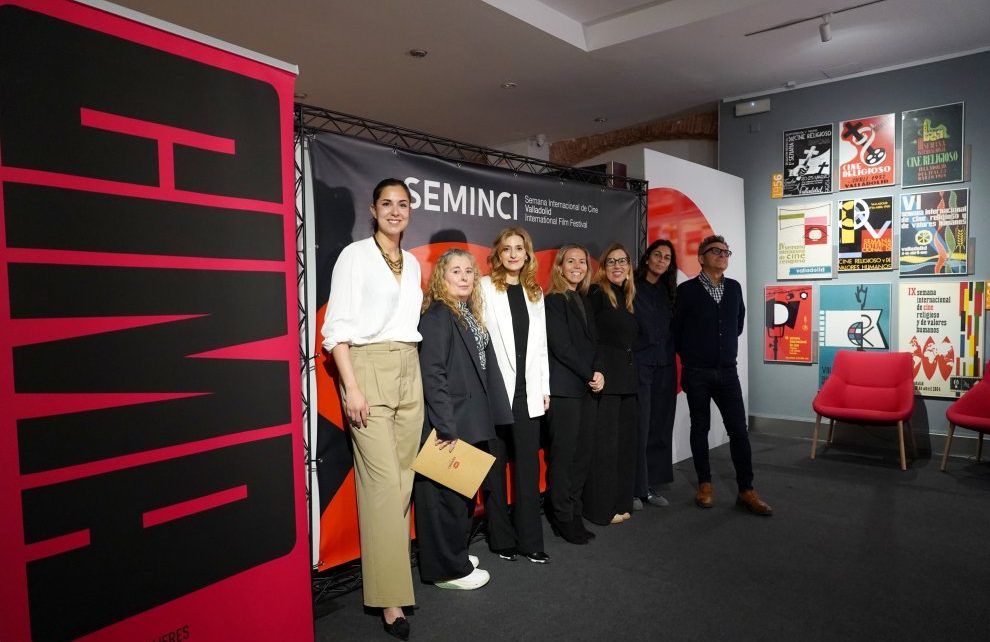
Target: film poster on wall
column 866, row 152
column 935, row 233
column 788, row 323
column 851, row 317
column 808, row 161
column 866, row 234
column 932, row 145
column 942, row 325
column 804, row 242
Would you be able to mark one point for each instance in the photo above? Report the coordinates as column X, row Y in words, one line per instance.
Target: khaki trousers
column 384, row 450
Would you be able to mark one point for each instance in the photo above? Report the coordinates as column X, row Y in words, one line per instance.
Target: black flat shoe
column 508, row 554
column 538, row 557
column 398, row 629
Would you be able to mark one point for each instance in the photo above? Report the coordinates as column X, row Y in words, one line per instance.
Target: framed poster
column 942, row 325
column 935, row 233
column 851, row 317
column 866, row 152
column 804, row 242
column 932, row 145
column 788, row 323
column 808, row 161
column 866, row 235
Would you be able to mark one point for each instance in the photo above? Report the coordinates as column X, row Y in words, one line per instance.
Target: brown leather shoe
column 752, row 502
column 704, row 498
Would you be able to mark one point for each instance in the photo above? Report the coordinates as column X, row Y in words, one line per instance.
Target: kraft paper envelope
column 462, row 470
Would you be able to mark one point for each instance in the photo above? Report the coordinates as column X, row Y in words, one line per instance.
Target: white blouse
column 367, row 305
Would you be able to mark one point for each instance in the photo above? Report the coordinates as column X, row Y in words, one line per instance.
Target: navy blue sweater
column 706, row 334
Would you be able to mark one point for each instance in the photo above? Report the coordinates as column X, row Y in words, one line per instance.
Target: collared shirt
column 716, row 290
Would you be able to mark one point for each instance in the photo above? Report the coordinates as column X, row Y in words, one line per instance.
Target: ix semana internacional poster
column 804, row 242
column 932, row 145
column 866, row 235
column 942, row 325
column 934, row 237
column 851, row 317
column 808, row 160
column 788, row 322
column 866, row 152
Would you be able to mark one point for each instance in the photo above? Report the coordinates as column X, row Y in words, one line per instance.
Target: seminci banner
column 151, row 457
column 454, row 204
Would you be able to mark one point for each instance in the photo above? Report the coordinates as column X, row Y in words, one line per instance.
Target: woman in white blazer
column 515, row 318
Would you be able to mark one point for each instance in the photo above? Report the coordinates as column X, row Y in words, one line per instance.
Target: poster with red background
column 867, row 157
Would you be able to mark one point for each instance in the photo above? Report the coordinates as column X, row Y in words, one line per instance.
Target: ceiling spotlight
column 509, row 85
column 418, row 53
column 825, row 28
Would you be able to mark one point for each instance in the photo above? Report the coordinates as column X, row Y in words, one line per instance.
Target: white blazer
column 498, row 319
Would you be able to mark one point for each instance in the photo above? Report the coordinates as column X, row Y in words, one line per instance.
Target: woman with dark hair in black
column 656, row 284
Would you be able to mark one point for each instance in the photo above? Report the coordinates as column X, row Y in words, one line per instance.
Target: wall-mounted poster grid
column 851, row 317
column 788, row 322
column 808, row 161
column 804, row 242
column 866, row 152
column 932, row 145
column 935, row 233
column 942, row 324
column 866, row 234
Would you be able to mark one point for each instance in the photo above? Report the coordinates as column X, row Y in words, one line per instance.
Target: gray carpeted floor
column 857, row 550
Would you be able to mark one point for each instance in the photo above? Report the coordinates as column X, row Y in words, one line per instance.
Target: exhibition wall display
column 151, row 459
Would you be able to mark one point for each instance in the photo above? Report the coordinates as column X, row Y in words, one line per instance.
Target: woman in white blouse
column 515, row 318
column 371, row 330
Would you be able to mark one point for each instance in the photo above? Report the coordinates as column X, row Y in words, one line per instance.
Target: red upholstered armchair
column 971, row 411
column 867, row 388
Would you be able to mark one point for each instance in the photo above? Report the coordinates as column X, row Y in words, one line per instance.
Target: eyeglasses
column 662, row 257
column 622, row 261
column 717, row 251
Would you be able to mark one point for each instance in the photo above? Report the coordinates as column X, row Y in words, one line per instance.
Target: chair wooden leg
column 814, row 435
column 900, row 442
column 979, row 449
column 831, row 430
column 948, row 445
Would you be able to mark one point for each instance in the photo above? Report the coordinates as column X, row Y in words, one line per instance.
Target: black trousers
column 571, row 427
column 609, row 489
column 523, row 530
column 443, row 527
column 721, row 385
column 654, row 450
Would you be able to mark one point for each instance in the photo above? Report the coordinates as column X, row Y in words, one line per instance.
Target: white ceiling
column 573, row 60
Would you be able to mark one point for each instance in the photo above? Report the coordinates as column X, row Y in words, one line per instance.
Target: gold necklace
column 393, row 264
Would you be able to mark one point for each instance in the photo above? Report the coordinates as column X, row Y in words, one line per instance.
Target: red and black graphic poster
column 866, row 152
column 151, row 473
column 788, row 323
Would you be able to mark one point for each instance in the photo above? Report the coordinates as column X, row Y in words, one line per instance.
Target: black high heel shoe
column 398, row 628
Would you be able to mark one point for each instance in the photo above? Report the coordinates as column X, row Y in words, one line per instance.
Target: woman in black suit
column 465, row 398
column 656, row 283
column 574, row 375
column 608, row 492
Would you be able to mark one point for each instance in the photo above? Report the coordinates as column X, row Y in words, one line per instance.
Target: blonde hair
column 559, row 284
column 527, row 276
column 436, row 287
column 601, row 278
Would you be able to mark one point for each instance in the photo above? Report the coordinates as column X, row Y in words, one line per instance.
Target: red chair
column 970, row 411
column 867, row 388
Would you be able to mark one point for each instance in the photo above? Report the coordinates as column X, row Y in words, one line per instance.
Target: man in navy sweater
column 708, row 318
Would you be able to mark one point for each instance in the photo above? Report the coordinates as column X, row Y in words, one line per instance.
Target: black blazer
column 655, row 344
column 617, row 332
column 572, row 343
column 462, row 400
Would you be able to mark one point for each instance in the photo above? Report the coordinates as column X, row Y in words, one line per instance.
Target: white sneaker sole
column 475, row 580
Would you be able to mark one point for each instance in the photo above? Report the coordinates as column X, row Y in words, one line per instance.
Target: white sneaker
column 476, row 579
column 474, row 560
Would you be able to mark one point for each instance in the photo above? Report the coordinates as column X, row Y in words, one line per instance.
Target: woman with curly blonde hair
column 515, row 318
column 464, row 397
column 608, row 493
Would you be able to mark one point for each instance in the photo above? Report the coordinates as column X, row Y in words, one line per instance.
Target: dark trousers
column 524, row 530
column 571, row 427
column 654, row 450
column 721, row 385
column 443, row 527
column 609, row 489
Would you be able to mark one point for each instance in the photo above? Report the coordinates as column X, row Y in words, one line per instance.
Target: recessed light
column 418, row 53
column 601, row 119
column 509, row 85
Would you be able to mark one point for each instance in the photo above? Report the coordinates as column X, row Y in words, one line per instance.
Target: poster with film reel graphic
column 866, row 152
